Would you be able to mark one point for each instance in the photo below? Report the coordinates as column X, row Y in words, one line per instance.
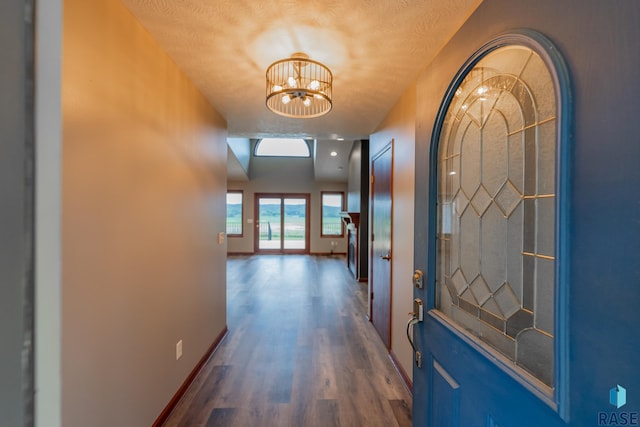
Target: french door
column 282, row 223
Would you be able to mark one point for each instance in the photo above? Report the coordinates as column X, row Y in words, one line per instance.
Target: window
column 332, row 203
column 234, row 213
column 496, row 207
column 282, row 147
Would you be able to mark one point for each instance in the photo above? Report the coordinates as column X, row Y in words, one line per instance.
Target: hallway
column 300, row 352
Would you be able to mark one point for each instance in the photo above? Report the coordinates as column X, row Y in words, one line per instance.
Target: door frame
column 282, row 196
column 386, row 148
column 18, row 125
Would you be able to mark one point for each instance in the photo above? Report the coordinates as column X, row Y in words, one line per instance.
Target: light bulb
column 314, row 85
column 291, row 82
column 286, row 99
column 307, row 102
column 277, row 88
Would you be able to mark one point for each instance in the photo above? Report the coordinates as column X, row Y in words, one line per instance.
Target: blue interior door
column 492, row 341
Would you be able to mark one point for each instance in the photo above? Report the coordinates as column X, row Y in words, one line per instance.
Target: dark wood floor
column 300, row 352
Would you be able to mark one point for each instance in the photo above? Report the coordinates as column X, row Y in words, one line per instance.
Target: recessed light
column 340, row 139
column 333, row 153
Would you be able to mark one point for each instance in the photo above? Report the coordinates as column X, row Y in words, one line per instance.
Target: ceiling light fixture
column 299, row 87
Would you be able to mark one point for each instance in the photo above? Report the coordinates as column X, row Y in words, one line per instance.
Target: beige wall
column 399, row 125
column 144, row 181
column 277, row 175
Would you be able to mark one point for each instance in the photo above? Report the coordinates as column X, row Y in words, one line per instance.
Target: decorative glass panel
column 496, row 173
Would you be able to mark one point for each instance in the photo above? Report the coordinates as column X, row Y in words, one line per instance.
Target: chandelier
column 299, row 87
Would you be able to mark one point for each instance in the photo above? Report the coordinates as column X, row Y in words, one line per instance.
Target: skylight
column 282, row 147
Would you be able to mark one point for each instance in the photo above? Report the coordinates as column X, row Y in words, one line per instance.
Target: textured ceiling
column 375, row 49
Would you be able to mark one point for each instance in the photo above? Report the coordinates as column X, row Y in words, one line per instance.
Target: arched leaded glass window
column 496, row 181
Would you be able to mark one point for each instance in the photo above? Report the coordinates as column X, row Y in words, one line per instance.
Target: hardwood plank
column 194, row 380
column 327, row 413
column 302, row 398
column 402, row 411
column 222, row 417
column 300, row 352
column 203, row 395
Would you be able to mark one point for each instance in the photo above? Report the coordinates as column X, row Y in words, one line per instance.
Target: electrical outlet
column 179, row 350
column 221, row 237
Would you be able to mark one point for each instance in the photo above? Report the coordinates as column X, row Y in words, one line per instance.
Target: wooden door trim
column 179, row 394
column 256, row 216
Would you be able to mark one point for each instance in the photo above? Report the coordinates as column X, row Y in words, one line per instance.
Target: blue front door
column 497, row 348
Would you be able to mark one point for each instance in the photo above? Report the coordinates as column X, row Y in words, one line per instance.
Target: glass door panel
column 269, row 223
column 295, row 223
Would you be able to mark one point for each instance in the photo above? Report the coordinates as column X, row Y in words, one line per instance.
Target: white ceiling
column 325, row 166
column 332, row 168
column 375, row 49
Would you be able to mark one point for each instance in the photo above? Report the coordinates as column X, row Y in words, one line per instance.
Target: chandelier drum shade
column 299, row 87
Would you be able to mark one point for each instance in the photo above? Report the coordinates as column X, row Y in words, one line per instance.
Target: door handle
column 386, row 257
column 416, row 317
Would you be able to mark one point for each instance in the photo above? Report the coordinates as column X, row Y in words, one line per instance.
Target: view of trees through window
column 234, row 213
column 332, row 205
column 270, row 218
column 283, row 214
column 294, row 212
